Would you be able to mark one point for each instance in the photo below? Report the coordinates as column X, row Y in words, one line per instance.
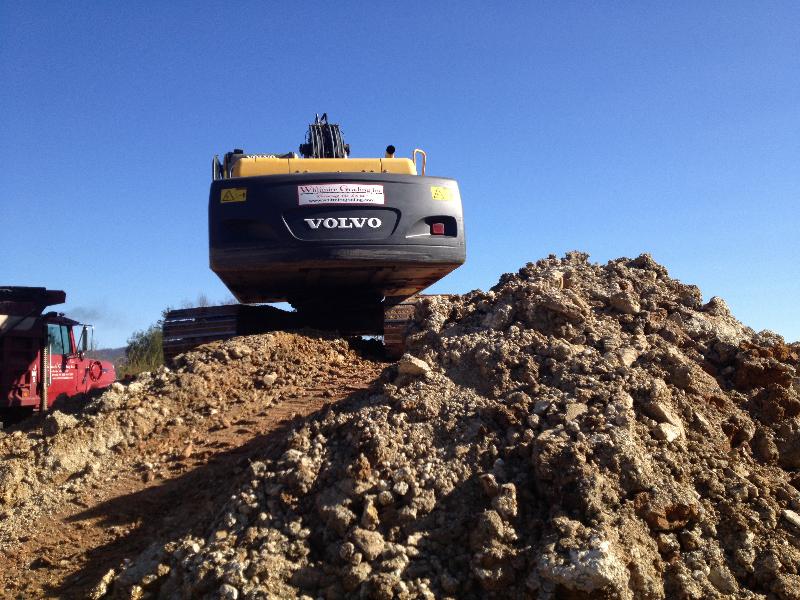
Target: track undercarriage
column 187, row 328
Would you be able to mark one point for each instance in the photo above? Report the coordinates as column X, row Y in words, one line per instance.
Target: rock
column 565, row 303
column 228, row 592
column 269, row 379
column 791, row 517
column 136, row 387
column 628, row 356
column 57, row 422
column 667, row 432
column 668, row 543
column 664, row 514
column 574, row 410
column 381, row 586
column 694, row 379
column 505, row 503
column 722, row 579
column 101, row 589
column 626, row 303
column 371, row 543
column 369, row 517
column 489, row 484
column 717, row 306
column 340, row 518
column 355, row 575
column 346, row 551
column 400, row 488
column 239, row 351
column 489, row 528
column 412, row 366
column 660, row 412
column 590, row 566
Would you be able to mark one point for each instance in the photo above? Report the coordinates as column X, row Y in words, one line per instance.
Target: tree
column 143, row 351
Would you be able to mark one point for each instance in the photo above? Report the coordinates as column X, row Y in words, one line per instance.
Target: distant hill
column 115, row 355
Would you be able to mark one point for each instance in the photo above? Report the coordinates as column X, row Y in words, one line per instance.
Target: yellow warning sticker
column 233, row 195
column 439, row 192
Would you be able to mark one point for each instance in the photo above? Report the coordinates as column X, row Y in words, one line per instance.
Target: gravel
column 578, row 431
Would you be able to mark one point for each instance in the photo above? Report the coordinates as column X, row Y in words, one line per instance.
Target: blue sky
column 614, row 128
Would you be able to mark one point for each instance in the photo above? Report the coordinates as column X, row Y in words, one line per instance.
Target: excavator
column 348, row 242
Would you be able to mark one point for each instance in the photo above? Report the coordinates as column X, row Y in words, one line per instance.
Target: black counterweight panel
column 269, row 242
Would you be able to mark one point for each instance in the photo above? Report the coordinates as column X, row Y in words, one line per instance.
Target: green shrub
column 143, row 352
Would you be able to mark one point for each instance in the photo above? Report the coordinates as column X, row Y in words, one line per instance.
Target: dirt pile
column 197, row 389
column 98, row 479
column 578, row 431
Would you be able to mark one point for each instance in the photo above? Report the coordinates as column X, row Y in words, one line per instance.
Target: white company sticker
column 339, row 193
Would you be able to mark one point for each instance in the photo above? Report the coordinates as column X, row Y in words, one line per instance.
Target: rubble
column 579, row 430
column 57, row 422
column 41, row 467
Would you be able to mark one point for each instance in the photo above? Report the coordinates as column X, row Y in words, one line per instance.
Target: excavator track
column 185, row 329
column 397, row 320
column 397, row 317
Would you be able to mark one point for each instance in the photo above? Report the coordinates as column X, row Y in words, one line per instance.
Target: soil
column 61, row 532
column 578, row 431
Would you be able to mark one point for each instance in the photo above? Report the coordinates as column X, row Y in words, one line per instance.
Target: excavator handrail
column 424, row 159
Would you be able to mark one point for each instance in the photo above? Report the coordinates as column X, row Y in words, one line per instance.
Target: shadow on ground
column 187, row 504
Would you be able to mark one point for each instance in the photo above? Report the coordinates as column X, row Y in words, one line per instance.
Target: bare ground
column 67, row 548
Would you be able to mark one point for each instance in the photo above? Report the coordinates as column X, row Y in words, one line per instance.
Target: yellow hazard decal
column 233, row 195
column 439, row 192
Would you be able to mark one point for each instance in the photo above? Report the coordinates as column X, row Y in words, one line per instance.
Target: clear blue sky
column 614, row 128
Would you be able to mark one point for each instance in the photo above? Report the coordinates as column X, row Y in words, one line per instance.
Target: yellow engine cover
column 251, row 166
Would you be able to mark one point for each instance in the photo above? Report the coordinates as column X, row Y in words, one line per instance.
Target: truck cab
column 40, row 360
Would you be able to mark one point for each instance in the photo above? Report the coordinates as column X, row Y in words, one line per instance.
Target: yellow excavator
column 346, row 241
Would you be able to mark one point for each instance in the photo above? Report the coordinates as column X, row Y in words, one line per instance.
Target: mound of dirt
column 99, row 481
column 578, row 431
column 202, row 385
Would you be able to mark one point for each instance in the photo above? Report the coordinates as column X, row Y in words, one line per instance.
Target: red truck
column 39, row 358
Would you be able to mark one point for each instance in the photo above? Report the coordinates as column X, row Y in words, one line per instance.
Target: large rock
column 57, row 422
column 413, row 366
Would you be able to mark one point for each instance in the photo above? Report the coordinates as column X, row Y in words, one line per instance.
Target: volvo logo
column 344, row 222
